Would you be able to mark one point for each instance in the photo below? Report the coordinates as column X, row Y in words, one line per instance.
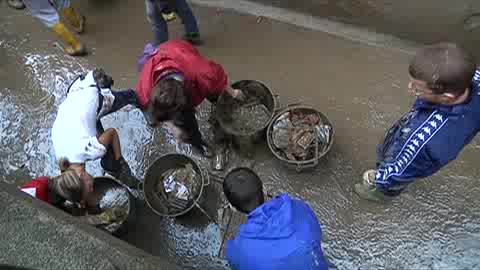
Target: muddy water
column 360, row 88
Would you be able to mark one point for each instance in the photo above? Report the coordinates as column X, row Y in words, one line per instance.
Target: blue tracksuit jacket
column 425, row 139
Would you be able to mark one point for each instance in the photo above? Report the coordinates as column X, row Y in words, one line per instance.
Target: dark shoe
column 120, row 170
column 125, row 175
column 108, row 163
column 16, row 4
column 194, row 39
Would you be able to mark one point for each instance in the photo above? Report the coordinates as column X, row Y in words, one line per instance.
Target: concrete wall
column 38, row 236
column 424, row 21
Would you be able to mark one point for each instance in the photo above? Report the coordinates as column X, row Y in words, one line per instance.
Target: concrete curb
column 39, row 236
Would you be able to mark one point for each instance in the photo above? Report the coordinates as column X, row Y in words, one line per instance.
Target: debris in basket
column 115, row 208
column 296, row 134
column 306, row 140
column 176, row 187
column 323, row 132
column 246, row 116
column 250, row 119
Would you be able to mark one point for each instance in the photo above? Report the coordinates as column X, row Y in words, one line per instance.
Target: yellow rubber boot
column 74, row 47
column 76, row 21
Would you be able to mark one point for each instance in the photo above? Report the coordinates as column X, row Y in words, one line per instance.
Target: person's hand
column 109, row 216
column 369, row 177
column 238, row 94
column 176, row 132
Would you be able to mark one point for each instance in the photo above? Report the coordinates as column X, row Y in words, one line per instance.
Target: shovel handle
column 205, row 213
column 207, row 180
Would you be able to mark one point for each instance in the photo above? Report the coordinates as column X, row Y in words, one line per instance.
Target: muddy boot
column 367, row 189
column 122, row 172
column 16, row 4
column 74, row 47
column 125, row 174
column 369, row 192
column 109, row 164
column 76, row 20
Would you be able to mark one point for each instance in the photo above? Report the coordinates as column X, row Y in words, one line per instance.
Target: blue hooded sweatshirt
column 281, row 234
column 425, row 139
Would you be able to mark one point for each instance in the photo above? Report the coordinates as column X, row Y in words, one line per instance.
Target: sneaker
column 369, row 192
column 194, row 39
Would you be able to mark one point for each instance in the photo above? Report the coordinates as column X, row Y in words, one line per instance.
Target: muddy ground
column 362, row 90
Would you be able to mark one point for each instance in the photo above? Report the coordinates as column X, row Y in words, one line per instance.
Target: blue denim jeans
column 46, row 11
column 160, row 28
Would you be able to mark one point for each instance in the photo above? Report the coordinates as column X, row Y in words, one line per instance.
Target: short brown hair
column 168, row 96
column 445, row 67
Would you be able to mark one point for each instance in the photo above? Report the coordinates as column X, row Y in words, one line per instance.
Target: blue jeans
column 46, row 11
column 159, row 25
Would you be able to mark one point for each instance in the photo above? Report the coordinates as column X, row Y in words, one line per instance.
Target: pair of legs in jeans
column 160, row 27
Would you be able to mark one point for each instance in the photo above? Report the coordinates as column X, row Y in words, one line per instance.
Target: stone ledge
column 39, row 236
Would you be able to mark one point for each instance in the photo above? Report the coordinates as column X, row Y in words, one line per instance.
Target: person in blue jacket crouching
column 282, row 233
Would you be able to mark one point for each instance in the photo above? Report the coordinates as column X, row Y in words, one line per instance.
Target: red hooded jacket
column 38, row 188
column 202, row 76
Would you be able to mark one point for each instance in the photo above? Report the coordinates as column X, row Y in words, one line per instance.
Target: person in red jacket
column 56, row 190
column 69, row 186
column 175, row 78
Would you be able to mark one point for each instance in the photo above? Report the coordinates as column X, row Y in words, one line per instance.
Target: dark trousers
column 122, row 99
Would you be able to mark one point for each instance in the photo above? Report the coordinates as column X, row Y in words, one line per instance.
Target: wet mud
column 361, row 89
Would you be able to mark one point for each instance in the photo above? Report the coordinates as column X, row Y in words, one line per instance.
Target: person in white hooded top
column 78, row 135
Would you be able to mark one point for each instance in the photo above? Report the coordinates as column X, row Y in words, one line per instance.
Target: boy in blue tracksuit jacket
column 281, row 234
column 444, row 118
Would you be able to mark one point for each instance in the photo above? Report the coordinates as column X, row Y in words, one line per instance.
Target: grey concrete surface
column 360, row 87
column 424, row 21
column 38, row 236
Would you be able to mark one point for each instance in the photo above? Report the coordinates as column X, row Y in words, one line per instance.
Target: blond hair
column 64, row 164
column 68, row 185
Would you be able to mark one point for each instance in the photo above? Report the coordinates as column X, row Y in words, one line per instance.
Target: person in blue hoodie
column 280, row 234
column 444, row 118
